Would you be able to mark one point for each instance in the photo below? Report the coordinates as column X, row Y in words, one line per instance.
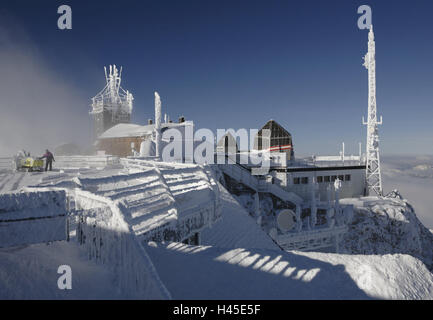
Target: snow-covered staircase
column 143, row 198
column 244, row 176
column 160, row 201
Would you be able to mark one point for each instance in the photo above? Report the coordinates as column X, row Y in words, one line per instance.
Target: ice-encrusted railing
column 33, row 215
column 6, row 164
column 99, row 161
column 107, row 238
column 193, row 220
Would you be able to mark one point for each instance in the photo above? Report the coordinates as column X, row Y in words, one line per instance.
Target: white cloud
column 413, row 177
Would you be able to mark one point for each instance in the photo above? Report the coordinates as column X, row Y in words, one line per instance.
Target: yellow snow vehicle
column 30, row 164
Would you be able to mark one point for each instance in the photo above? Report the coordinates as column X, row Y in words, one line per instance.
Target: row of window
column 303, row 180
column 322, row 179
column 325, row 179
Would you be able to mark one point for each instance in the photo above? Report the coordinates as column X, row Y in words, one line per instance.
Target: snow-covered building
column 125, row 139
column 300, row 175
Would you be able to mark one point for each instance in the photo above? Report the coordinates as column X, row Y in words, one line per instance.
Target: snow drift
column 216, row 273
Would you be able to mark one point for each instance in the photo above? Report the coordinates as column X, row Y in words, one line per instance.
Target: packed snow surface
column 31, row 273
column 205, row 272
column 236, row 228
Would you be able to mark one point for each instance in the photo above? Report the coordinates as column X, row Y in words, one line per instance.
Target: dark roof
column 276, row 129
column 279, row 135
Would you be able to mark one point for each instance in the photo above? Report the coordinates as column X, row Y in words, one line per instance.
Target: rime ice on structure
column 373, row 175
column 113, row 105
column 158, row 124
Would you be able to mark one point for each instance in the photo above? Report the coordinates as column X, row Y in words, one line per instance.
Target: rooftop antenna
column 373, row 173
column 113, row 104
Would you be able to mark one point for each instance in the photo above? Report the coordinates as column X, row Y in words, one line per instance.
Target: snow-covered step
column 132, row 191
column 188, row 184
column 158, row 203
column 149, row 223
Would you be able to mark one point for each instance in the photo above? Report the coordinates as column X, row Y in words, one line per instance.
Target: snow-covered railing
column 240, row 174
column 140, row 163
column 337, row 161
column 6, row 163
column 108, row 239
column 34, row 216
column 85, row 161
column 312, row 239
column 191, row 221
column 280, row 193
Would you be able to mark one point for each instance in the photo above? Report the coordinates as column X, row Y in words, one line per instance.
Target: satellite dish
column 286, row 220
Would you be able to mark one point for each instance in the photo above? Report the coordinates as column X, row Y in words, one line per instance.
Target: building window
column 327, row 178
column 296, row 180
column 319, row 179
column 347, row 177
column 304, row 180
column 333, row 178
column 341, row 178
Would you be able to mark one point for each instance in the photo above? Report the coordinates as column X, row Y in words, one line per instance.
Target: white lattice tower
column 113, row 97
column 373, row 173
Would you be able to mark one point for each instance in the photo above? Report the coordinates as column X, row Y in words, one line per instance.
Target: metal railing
column 6, row 163
column 107, row 239
column 85, row 161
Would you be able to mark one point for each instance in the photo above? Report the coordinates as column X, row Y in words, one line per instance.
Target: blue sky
column 237, row 64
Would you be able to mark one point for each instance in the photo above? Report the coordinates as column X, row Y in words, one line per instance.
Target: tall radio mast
column 373, row 174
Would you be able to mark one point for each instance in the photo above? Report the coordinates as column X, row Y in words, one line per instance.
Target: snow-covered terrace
column 237, row 260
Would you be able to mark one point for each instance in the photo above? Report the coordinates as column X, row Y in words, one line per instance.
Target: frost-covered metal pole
column 313, row 203
column 373, row 174
column 157, row 125
column 360, row 152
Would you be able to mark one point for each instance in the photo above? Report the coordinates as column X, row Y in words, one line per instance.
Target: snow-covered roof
column 123, row 130
column 126, row 130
